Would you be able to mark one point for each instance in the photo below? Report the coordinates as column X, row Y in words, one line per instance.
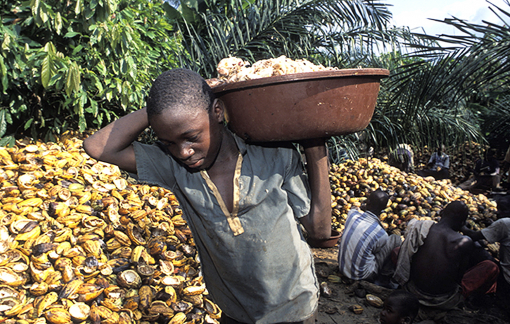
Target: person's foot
column 386, row 282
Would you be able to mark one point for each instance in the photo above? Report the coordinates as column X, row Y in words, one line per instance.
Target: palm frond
column 268, row 28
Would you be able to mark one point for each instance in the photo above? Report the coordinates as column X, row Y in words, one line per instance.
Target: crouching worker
column 365, row 247
column 434, row 261
column 402, row 158
column 243, row 203
column 401, row 307
column 499, row 231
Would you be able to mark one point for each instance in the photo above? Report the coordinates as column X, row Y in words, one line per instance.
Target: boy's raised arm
column 318, row 222
column 112, row 144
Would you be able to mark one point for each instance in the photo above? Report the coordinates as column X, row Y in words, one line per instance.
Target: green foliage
column 78, row 64
column 344, row 34
column 455, row 92
column 322, row 31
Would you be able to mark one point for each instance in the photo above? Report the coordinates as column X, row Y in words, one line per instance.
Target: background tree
column 75, row 64
column 460, row 79
column 331, row 32
column 344, row 34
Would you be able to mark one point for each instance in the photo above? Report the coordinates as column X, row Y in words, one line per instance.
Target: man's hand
column 474, row 235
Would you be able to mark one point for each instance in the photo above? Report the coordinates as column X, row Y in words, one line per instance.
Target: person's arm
column 432, row 160
column 474, row 235
column 466, row 247
column 318, row 222
column 495, row 168
column 478, row 166
column 112, row 144
column 447, row 162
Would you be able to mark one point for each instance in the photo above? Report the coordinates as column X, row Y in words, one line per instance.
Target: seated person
column 365, row 247
column 505, row 167
column 499, row 231
column 506, row 160
column 438, row 262
column 487, row 171
column 438, row 165
column 402, row 158
column 401, row 307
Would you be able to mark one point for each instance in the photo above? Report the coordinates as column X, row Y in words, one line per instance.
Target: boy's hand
column 318, row 222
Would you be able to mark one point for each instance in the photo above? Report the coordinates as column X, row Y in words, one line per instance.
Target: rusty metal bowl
column 303, row 105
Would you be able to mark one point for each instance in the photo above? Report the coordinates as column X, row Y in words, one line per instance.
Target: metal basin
column 303, row 105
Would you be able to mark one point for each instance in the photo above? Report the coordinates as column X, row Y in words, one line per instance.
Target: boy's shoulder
column 266, row 149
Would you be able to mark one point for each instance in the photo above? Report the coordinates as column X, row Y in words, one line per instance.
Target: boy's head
column 401, row 307
column 455, row 213
column 440, row 148
column 186, row 117
column 377, row 201
column 179, row 89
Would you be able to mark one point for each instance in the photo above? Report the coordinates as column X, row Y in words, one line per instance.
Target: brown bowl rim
column 304, row 76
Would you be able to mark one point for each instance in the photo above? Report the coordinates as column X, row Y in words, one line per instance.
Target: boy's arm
column 112, row 144
column 447, row 162
column 474, row 235
column 318, row 222
column 432, row 160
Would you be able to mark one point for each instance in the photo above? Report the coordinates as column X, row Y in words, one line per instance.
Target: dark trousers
column 438, row 175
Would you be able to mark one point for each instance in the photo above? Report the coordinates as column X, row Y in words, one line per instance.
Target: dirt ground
column 335, row 303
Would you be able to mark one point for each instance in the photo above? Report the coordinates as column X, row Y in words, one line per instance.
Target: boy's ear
column 405, row 320
column 218, row 109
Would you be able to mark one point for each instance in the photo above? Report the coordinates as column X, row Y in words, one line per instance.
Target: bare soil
column 335, row 302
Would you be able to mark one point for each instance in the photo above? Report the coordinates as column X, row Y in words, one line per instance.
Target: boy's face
column 391, row 315
column 193, row 137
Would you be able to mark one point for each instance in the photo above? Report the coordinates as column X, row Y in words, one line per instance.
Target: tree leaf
column 3, row 123
column 58, row 23
column 73, row 79
column 50, row 48
column 43, row 13
column 76, row 76
column 3, row 74
column 109, row 95
column 92, row 109
column 82, row 124
column 77, row 49
column 78, row 8
column 71, row 34
column 28, row 123
column 47, row 70
column 7, row 141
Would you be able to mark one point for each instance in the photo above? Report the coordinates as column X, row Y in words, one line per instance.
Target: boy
column 241, row 201
column 401, row 307
column 365, row 247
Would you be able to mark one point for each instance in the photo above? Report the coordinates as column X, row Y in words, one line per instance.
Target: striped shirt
column 362, row 236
